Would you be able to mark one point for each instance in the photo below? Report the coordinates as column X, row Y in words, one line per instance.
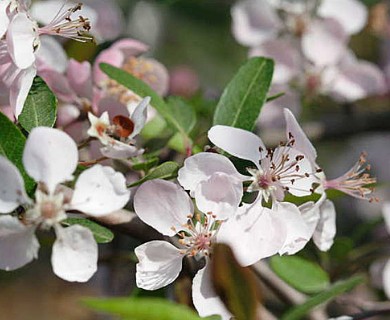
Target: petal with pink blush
column 220, row 194
column 168, row 211
column 327, row 31
column 58, row 83
column 238, row 142
column 50, row 156
column 12, row 192
column 351, row 14
column 51, row 54
column 18, row 244
column 75, row 253
column 159, row 264
column 79, row 76
column 111, row 56
column 67, row 114
column 119, row 150
column 21, row 37
column 254, row 21
column 130, row 47
column 4, row 20
column 201, row 166
column 99, row 191
column 205, row 300
column 20, row 88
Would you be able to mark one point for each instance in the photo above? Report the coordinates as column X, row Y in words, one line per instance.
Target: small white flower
column 50, row 157
column 118, row 137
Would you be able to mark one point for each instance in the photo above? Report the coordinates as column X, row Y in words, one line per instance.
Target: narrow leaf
column 12, row 143
column 40, row 108
column 167, row 170
column 101, row 234
column 303, row 275
column 235, row 285
column 142, row 308
column 243, row 98
column 335, row 290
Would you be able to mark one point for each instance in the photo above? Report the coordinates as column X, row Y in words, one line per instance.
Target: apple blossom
column 386, row 271
column 172, row 213
column 118, row 137
column 50, row 157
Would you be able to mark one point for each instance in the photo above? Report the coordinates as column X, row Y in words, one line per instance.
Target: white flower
column 50, row 157
column 386, row 271
column 171, row 212
column 118, row 138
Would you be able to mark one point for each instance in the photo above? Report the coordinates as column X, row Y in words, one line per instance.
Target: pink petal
column 80, row 78
column 113, row 57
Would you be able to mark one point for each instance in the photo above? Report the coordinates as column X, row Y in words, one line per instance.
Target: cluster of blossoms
column 267, row 226
column 309, row 42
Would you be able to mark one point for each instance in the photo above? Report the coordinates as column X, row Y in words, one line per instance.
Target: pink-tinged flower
column 277, row 171
column 126, row 54
column 118, row 137
column 172, row 213
column 50, row 157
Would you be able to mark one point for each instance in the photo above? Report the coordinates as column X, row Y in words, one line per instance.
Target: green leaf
column 154, row 128
column 234, row 284
column 12, row 143
column 146, row 165
column 40, row 108
column 303, row 275
column 167, row 170
column 183, row 112
column 335, row 290
column 243, row 98
column 142, row 308
column 142, row 89
column 101, row 234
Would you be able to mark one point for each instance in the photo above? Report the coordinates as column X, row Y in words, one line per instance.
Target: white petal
column 351, row 14
column 386, row 215
column 18, row 244
column 119, row 150
column 205, row 299
column 254, row 21
column 163, row 205
column 311, row 214
column 139, row 116
column 285, row 55
column 298, row 232
column 238, row 142
column 75, row 253
column 321, row 32
column 20, row 89
column 99, row 191
column 52, row 54
column 50, row 156
column 201, row 166
column 326, row 228
column 386, row 279
column 253, row 233
column 159, row 264
column 220, row 194
column 4, row 20
column 302, row 142
column 21, row 36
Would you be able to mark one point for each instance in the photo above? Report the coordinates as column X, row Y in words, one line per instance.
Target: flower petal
column 50, row 156
column 4, row 20
column 302, row 142
column 12, row 192
column 159, row 264
column 111, row 56
column 75, row 253
column 99, row 191
column 238, row 142
column 254, row 21
column 18, row 244
column 386, row 215
column 80, row 78
column 326, row 228
column 139, row 116
column 253, row 233
column 21, row 36
column 20, row 89
column 220, row 194
column 351, row 14
column 51, row 54
column 169, row 208
column 119, row 150
column 327, row 31
column 205, row 299
column 201, row 166
column 386, row 279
